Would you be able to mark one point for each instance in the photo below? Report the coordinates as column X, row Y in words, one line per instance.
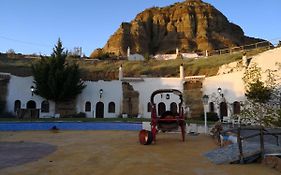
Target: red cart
column 168, row 121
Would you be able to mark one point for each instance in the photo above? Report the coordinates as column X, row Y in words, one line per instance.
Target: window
column 111, row 107
column 161, row 108
column 174, row 108
column 17, row 106
column 87, row 106
column 236, row 107
column 45, row 107
column 148, row 107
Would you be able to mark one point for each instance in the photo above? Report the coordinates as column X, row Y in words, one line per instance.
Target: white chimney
column 181, row 72
column 244, row 60
column 120, row 73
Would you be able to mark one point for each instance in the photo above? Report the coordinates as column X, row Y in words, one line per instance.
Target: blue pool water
column 37, row 126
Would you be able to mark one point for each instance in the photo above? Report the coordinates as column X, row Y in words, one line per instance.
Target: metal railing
column 259, row 45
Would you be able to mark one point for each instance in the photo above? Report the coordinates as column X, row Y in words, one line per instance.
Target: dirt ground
column 119, row 153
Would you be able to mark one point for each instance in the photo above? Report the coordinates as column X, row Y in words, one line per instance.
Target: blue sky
column 34, row 26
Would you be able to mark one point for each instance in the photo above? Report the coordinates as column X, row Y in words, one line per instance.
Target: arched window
column 31, row 105
column 17, row 105
column 111, row 107
column 148, row 107
column 87, row 106
column 211, row 107
column 45, row 107
column 161, row 108
column 174, row 108
column 236, row 107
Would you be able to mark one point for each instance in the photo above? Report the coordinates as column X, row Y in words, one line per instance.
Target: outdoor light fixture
column 205, row 100
column 167, row 96
column 220, row 92
column 32, row 89
column 101, row 91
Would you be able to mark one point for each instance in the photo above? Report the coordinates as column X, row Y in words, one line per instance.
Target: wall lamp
column 220, row 92
column 101, row 92
column 167, row 96
column 32, row 89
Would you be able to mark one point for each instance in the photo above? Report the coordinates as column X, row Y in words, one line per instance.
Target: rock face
column 191, row 25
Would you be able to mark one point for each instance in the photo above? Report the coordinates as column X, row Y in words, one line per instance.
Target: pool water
column 31, row 126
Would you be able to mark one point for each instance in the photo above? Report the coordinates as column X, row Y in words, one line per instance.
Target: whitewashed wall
column 149, row 85
column 112, row 92
column 232, row 88
column 135, row 57
column 232, row 84
column 19, row 89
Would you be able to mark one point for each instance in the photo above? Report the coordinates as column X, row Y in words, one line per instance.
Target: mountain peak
column 191, row 25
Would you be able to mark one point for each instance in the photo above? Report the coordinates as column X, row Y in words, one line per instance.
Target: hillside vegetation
column 108, row 70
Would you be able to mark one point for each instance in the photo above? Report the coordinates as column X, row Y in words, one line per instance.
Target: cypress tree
column 55, row 79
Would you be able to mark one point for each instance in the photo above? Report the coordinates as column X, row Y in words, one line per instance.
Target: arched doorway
column 32, row 112
column 17, row 106
column 236, row 107
column 100, row 110
column 174, row 108
column 223, row 109
column 211, row 107
column 161, row 108
column 31, row 105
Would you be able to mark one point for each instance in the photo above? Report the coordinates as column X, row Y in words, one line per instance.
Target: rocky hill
column 191, row 25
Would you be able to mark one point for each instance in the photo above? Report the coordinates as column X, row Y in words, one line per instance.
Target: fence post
column 241, row 157
column 262, row 142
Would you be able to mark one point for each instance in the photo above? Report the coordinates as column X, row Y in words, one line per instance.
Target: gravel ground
column 119, row 153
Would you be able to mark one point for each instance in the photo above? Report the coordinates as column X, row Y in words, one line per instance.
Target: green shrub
column 211, row 116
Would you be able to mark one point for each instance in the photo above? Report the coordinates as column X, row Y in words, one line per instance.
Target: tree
column 258, row 92
column 260, row 106
column 55, row 79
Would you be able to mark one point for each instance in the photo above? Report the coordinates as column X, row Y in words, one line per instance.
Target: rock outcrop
column 192, row 25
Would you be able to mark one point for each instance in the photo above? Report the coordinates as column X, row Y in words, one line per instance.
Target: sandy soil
column 119, row 153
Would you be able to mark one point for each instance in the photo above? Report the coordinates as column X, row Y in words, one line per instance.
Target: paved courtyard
column 116, row 153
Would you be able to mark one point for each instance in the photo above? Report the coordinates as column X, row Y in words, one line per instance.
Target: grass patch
column 133, row 120
column 75, row 120
column 108, row 69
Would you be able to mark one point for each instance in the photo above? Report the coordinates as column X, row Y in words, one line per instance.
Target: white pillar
column 128, row 52
column 181, row 72
column 177, row 51
column 206, row 54
column 205, row 119
column 244, row 60
column 120, row 73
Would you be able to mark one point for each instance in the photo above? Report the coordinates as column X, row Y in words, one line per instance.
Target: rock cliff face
column 191, row 25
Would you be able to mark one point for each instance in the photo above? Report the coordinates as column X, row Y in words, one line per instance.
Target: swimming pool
column 41, row 126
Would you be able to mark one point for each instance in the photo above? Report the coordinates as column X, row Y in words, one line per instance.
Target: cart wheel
column 145, row 137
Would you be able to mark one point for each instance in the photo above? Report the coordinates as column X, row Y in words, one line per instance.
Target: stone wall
column 66, row 108
column 192, row 97
column 130, row 102
column 3, row 93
